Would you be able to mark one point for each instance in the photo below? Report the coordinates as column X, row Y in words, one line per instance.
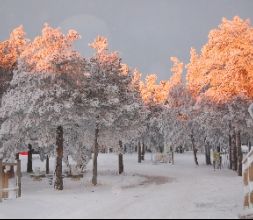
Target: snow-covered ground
column 146, row 190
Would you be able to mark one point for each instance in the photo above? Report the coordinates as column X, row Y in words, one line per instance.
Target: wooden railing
column 248, row 186
column 4, row 180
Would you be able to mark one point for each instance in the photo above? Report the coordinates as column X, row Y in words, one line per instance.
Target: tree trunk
column 95, row 158
column 195, row 151
column 239, row 153
column 230, row 152
column 125, row 149
column 143, row 151
column 139, row 152
column 208, row 155
column 121, row 162
column 234, row 152
column 172, row 156
column 58, row 185
column 19, row 176
column 47, row 165
column 249, row 144
column 30, row 159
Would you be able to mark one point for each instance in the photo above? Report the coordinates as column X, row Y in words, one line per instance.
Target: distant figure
column 217, row 159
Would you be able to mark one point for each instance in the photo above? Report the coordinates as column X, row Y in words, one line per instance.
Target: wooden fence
column 4, row 180
column 248, row 186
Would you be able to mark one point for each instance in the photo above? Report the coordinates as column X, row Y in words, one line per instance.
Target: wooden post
column 1, row 180
column 19, row 178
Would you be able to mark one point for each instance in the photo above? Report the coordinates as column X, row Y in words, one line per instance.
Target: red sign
column 24, row 153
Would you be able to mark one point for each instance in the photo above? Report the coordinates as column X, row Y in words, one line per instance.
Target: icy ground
column 145, row 191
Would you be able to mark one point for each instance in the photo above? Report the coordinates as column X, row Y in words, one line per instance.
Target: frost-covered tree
column 241, row 124
column 10, row 51
column 154, row 96
column 181, row 125
column 111, row 97
column 222, row 76
column 161, row 111
column 42, row 104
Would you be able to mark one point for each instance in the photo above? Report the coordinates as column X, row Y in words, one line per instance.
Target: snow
column 146, row 190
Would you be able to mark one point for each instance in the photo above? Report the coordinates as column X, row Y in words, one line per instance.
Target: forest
column 57, row 101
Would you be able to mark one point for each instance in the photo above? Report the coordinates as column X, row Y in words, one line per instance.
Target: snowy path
column 145, row 191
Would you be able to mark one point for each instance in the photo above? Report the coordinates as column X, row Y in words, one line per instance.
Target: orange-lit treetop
column 50, row 52
column 157, row 94
column 150, row 90
column 104, row 58
column 11, row 49
column 177, row 73
column 224, row 69
column 100, row 44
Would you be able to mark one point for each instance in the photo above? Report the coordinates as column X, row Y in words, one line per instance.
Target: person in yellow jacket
column 216, row 159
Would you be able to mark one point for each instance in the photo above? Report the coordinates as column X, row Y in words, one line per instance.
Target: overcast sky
column 145, row 32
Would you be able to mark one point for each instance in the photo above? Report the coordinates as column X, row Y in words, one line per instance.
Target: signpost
column 4, row 178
